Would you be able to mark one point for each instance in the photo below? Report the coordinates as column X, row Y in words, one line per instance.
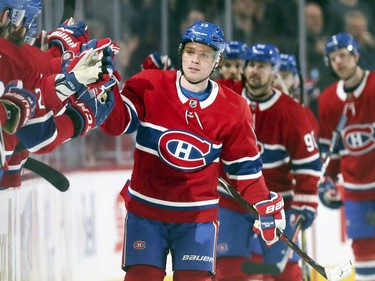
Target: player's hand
column 304, row 206
column 20, row 105
column 157, row 61
column 329, row 194
column 89, row 69
column 68, row 35
column 271, row 216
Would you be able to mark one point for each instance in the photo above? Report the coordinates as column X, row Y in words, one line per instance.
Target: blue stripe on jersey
column 134, row 120
column 248, row 167
column 169, row 205
column 274, row 156
column 47, row 133
column 311, row 165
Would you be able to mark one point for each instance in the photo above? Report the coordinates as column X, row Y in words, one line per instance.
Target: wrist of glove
column 304, row 206
column 68, row 35
column 20, row 105
column 329, row 194
column 90, row 109
column 271, row 216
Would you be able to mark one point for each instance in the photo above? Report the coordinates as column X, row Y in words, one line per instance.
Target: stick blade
column 340, row 272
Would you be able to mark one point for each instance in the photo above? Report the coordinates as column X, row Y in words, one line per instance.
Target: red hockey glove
column 157, row 61
column 68, row 35
column 271, row 216
column 329, row 194
column 20, row 105
column 304, row 206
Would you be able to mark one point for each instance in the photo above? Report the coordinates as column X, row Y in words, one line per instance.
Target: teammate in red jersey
column 186, row 125
column 233, row 63
column 290, row 84
column 45, row 131
column 353, row 156
column 291, row 167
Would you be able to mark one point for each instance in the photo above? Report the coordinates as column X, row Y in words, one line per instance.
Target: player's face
column 343, row 63
column 232, row 69
column 198, row 60
column 288, row 78
column 259, row 76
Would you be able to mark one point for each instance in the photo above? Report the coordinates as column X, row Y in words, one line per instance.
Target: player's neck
column 197, row 88
column 355, row 79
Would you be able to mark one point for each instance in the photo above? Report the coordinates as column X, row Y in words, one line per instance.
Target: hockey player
column 77, row 119
column 233, row 63
column 289, row 83
column 291, row 167
column 353, row 156
column 186, row 123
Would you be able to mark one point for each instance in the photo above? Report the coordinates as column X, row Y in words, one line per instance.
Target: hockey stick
column 305, row 268
column 332, row 274
column 69, row 9
column 333, row 144
column 51, row 175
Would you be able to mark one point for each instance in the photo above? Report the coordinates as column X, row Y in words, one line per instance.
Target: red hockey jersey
column 179, row 144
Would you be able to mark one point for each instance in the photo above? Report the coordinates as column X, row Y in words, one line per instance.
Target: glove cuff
column 82, row 118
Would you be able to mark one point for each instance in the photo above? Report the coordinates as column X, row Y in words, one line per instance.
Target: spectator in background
column 337, row 10
column 318, row 75
column 248, row 20
column 356, row 24
column 282, row 24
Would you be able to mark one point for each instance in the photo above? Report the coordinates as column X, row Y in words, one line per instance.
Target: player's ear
column 219, row 61
column 4, row 17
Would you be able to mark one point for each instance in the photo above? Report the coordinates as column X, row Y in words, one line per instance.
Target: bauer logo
column 197, row 258
column 139, row 245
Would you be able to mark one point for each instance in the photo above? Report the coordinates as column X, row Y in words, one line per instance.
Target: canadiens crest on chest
column 185, row 151
column 359, row 139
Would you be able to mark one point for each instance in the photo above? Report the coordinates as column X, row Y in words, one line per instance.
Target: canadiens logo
column 183, row 150
column 359, row 139
column 139, row 245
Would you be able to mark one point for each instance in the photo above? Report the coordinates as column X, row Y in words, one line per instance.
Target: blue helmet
column 340, row 41
column 264, row 53
column 288, row 63
column 205, row 33
column 33, row 9
column 17, row 10
column 13, row 4
column 235, row 50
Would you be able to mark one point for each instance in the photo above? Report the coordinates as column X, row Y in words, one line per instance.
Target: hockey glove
column 304, row 206
column 271, row 216
column 329, row 195
column 89, row 69
column 157, row 61
column 87, row 112
column 68, row 35
column 20, row 105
